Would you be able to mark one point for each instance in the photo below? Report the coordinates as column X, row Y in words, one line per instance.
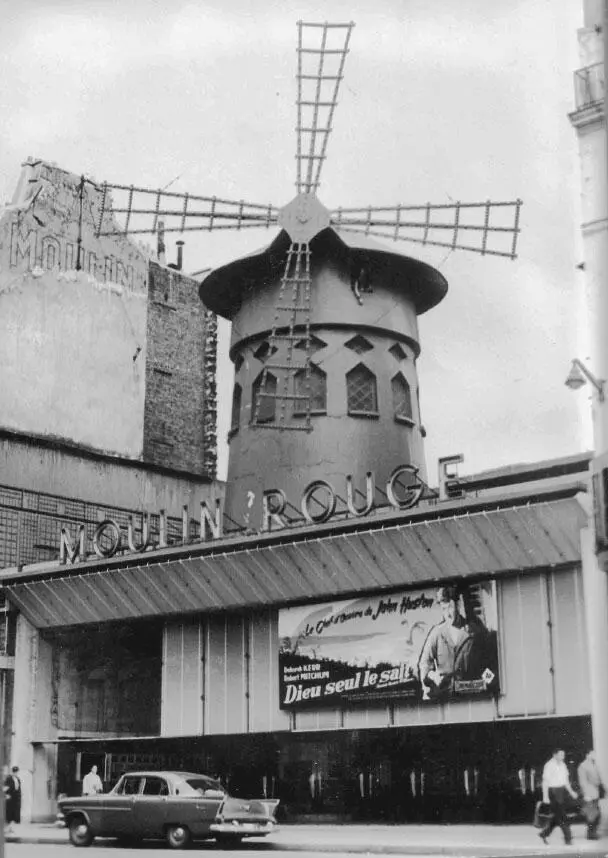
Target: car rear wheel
column 80, row 832
column 178, row 836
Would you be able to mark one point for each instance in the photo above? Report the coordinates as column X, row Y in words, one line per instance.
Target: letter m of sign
column 23, row 246
column 67, row 549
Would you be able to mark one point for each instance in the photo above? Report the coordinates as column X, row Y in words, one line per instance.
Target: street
column 449, row 846
column 159, row 850
column 462, row 841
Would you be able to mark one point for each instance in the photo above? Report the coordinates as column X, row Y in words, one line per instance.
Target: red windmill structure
column 322, row 287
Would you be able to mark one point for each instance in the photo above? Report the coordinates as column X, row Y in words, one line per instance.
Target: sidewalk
column 474, row 840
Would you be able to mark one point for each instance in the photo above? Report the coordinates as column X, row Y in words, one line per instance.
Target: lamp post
column 595, row 580
column 579, row 375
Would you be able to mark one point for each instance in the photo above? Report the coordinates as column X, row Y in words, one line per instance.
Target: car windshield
column 201, row 785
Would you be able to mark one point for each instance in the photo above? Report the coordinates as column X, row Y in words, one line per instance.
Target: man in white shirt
column 91, row 783
column 557, row 793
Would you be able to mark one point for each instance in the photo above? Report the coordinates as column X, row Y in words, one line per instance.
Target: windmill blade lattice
column 490, row 228
column 322, row 50
column 142, row 209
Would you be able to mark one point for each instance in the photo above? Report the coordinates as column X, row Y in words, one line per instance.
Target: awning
column 315, row 566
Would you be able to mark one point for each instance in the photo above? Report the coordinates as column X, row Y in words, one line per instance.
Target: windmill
column 486, row 228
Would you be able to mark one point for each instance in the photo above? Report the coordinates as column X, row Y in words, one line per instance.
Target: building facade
column 589, row 122
column 107, row 356
column 289, row 649
column 104, row 347
column 184, row 656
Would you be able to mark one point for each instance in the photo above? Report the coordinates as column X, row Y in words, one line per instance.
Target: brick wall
column 180, row 406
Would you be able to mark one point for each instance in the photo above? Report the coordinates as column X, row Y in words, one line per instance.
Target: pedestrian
column 12, row 798
column 557, row 793
column 592, row 789
column 91, row 783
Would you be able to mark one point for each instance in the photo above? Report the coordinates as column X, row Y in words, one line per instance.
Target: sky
column 442, row 100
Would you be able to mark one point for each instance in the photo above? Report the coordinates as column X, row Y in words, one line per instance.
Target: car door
column 150, row 807
column 195, row 804
column 116, row 818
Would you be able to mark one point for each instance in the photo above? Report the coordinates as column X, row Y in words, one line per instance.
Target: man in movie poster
column 456, row 652
column 432, row 644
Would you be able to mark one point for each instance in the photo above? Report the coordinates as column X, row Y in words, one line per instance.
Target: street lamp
column 580, row 375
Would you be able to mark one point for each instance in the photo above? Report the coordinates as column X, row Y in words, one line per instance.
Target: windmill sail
column 283, row 398
column 322, row 50
column 490, row 228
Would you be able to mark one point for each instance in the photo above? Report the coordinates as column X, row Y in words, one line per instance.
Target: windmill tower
column 324, row 319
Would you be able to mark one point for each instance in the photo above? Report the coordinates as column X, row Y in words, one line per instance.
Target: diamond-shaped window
column 398, row 352
column 359, row 345
column 264, row 351
column 314, row 344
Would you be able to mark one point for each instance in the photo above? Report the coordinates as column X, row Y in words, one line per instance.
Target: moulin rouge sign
column 404, row 488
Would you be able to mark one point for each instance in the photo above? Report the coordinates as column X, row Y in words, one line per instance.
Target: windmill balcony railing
column 589, row 85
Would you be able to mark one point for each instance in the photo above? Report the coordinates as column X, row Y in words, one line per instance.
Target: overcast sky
column 442, row 100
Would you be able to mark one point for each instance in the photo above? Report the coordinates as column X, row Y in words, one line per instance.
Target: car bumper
column 244, row 828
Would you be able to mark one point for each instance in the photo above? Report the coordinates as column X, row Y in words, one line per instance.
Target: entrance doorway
column 85, row 760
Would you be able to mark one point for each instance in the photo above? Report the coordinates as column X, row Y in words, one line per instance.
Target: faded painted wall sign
column 50, row 224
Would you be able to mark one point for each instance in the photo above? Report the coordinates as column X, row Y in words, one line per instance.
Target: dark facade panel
column 181, row 361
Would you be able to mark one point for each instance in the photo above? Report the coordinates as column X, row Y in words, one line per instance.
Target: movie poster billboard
column 430, row 644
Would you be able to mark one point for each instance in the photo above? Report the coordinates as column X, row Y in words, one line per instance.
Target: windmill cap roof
column 222, row 291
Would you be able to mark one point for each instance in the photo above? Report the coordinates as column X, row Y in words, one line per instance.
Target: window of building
column 402, row 399
column 315, row 386
column 398, row 352
column 264, row 351
column 238, row 362
column 359, row 345
column 235, row 420
column 314, row 344
column 361, row 392
column 263, row 401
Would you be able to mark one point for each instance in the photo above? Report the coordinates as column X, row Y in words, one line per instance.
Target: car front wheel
column 178, row 836
column 80, row 832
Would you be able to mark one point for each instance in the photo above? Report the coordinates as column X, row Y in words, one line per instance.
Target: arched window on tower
column 263, row 411
column 235, row 420
column 402, row 399
column 315, row 386
column 361, row 392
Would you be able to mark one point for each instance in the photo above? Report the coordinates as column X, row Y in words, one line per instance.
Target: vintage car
column 175, row 806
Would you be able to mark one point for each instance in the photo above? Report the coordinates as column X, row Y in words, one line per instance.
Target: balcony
column 588, row 94
column 589, row 85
